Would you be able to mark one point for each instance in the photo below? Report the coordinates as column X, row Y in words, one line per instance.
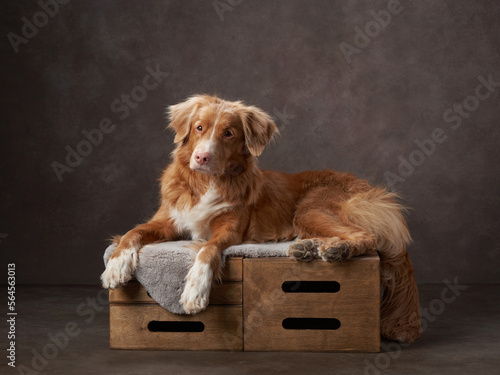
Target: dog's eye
column 228, row 134
column 199, row 128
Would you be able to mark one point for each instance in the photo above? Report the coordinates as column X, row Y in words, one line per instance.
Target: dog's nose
column 202, row 158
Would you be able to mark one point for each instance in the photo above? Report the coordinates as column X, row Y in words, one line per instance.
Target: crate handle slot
column 311, row 323
column 175, row 326
column 310, row 286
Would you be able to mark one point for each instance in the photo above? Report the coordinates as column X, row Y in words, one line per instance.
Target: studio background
column 373, row 106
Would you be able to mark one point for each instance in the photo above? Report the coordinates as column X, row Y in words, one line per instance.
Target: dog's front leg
column 207, row 265
column 124, row 260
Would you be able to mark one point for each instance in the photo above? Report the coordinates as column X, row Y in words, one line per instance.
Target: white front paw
column 120, row 269
column 197, row 290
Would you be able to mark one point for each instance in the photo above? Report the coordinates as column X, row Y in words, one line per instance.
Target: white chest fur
column 195, row 220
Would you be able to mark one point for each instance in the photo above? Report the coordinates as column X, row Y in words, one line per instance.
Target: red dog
column 214, row 191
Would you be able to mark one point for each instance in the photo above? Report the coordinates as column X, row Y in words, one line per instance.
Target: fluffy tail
column 377, row 212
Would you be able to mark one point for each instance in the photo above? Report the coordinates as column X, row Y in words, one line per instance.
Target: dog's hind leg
column 323, row 234
column 367, row 221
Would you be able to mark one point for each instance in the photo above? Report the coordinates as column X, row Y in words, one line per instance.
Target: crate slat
column 129, row 328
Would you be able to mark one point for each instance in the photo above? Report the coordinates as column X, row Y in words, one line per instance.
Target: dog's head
column 218, row 137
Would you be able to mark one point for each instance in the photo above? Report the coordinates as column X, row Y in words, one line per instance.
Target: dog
column 213, row 192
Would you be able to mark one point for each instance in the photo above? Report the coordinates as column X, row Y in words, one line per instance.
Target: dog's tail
column 378, row 212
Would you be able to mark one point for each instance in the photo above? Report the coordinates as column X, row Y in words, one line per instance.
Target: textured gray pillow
column 163, row 266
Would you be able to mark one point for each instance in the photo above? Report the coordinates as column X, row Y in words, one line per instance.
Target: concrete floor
column 462, row 336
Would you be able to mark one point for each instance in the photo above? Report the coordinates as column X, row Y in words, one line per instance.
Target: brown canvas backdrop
column 373, row 105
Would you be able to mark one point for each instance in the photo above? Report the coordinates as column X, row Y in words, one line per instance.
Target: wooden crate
column 315, row 306
column 138, row 322
column 263, row 304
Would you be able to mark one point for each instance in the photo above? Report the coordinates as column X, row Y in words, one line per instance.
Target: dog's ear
column 258, row 128
column 181, row 117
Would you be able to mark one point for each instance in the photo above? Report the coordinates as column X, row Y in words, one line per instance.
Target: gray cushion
column 163, row 267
